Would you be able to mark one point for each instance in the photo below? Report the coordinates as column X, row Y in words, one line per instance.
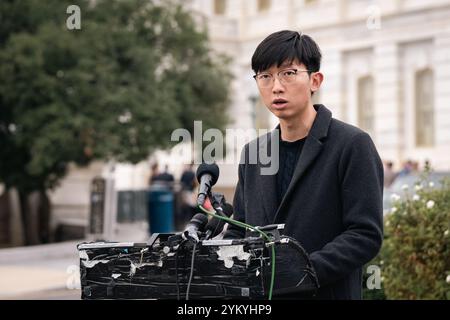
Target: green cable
column 247, row 226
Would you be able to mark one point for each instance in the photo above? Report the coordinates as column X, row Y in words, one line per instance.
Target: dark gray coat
column 333, row 205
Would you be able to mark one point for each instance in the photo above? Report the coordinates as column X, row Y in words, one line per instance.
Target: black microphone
column 197, row 223
column 215, row 225
column 207, row 175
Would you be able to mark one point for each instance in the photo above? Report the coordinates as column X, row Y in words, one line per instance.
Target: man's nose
column 277, row 86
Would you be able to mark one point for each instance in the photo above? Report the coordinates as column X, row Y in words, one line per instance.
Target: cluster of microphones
column 200, row 227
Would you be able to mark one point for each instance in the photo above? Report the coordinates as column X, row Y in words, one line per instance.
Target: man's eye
column 264, row 76
column 289, row 73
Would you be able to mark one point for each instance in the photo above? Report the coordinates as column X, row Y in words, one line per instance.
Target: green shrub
column 415, row 257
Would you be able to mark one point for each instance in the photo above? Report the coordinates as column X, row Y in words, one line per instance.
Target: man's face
column 288, row 95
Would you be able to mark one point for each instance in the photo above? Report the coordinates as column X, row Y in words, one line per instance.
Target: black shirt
column 289, row 155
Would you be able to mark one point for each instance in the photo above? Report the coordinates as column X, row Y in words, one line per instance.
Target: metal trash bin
column 160, row 209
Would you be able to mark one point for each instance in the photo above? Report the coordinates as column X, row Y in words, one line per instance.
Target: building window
column 219, row 7
column 366, row 114
column 424, row 108
column 263, row 5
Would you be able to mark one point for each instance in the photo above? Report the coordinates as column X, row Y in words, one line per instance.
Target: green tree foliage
column 116, row 88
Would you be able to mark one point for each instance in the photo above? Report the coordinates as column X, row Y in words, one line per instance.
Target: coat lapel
column 311, row 149
column 268, row 183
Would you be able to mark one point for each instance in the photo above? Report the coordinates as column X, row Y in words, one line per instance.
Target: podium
column 222, row 269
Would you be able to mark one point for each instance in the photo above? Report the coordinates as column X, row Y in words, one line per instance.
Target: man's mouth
column 279, row 102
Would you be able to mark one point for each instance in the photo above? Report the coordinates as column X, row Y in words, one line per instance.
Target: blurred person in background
column 154, row 172
column 165, row 177
column 427, row 165
column 407, row 168
column 389, row 174
column 188, row 183
column 188, row 178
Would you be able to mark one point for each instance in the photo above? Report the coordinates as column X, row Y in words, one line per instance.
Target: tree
column 116, row 88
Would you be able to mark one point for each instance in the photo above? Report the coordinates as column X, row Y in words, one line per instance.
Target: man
column 187, row 179
column 166, row 177
column 328, row 189
column 189, row 204
column 389, row 174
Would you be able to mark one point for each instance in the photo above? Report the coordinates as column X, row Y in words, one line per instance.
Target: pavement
column 51, row 271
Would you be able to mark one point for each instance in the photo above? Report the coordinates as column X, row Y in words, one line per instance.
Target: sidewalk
column 35, row 269
column 38, row 268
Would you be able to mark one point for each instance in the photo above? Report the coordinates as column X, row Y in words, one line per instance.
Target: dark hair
column 286, row 45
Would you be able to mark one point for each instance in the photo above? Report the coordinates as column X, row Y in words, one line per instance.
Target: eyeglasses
column 288, row 76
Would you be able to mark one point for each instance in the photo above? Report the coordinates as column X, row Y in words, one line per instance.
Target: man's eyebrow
column 283, row 65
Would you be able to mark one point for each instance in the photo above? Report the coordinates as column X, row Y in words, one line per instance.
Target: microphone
column 271, row 227
column 207, row 175
column 197, row 223
column 215, row 225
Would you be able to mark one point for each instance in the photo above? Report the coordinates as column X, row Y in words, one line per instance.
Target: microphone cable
column 252, row 228
column 192, row 271
column 176, row 267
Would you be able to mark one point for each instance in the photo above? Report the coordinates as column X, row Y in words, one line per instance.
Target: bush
column 415, row 257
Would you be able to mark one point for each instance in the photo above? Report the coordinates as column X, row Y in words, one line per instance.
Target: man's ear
column 316, row 81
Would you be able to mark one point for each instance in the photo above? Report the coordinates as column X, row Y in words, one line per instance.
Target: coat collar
column 311, row 149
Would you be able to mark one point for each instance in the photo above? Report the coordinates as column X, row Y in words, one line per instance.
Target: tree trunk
column 35, row 207
column 5, row 232
column 16, row 233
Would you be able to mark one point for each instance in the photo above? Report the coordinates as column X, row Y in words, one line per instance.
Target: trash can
column 160, row 209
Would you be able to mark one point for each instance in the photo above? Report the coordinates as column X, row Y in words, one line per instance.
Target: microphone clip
column 190, row 236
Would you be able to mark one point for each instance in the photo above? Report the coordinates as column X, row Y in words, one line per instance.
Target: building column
column 388, row 125
column 441, row 67
column 332, row 90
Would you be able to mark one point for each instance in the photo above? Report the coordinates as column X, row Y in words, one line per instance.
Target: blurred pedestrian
column 165, row 178
column 189, row 204
column 415, row 167
column 427, row 165
column 407, row 168
column 188, row 178
column 154, row 173
column 389, row 174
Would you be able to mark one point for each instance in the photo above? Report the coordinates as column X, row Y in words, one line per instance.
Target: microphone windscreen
column 212, row 169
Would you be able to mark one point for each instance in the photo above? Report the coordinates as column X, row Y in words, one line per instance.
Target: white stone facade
column 390, row 41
